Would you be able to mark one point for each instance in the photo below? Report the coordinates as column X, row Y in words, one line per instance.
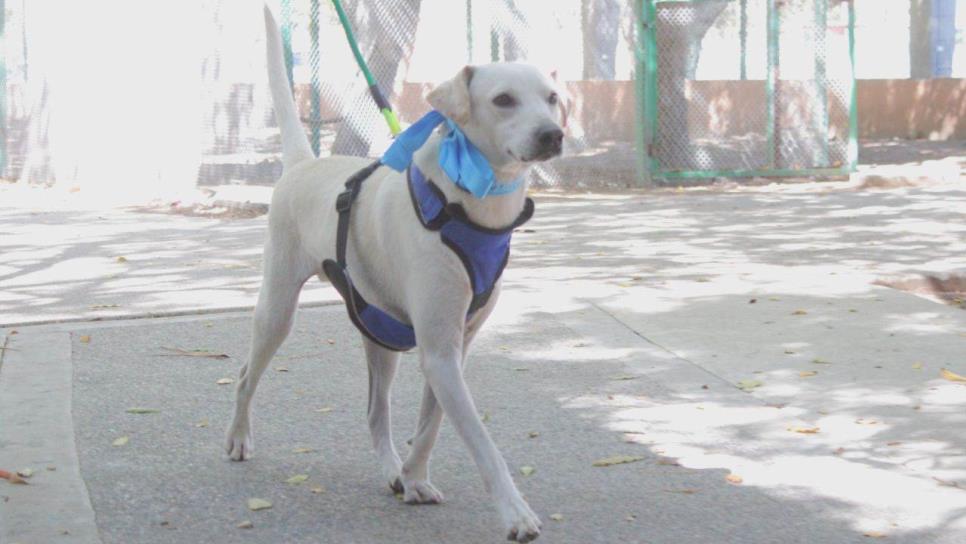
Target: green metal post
column 821, row 159
column 771, row 85
column 316, row 114
column 640, row 130
column 854, row 105
column 3, row 88
column 649, row 31
column 287, row 39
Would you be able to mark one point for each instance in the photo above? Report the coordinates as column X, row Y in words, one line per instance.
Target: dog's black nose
column 550, row 140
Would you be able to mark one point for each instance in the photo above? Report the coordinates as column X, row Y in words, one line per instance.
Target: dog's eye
column 504, row 100
column 552, row 99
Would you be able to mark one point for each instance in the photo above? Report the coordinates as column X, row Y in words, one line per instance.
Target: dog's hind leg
column 284, row 274
column 382, row 369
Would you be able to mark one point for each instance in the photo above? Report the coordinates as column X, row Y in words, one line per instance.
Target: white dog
column 510, row 112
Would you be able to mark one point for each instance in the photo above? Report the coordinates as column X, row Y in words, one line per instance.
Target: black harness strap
column 343, row 204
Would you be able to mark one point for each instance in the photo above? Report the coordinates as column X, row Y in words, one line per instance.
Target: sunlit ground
column 821, row 386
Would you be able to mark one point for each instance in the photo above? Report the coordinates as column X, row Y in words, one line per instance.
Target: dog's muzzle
column 549, row 143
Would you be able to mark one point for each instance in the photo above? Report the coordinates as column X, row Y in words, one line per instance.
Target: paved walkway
column 709, row 333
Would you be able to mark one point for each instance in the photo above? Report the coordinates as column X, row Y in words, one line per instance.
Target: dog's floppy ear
column 452, row 97
column 564, row 102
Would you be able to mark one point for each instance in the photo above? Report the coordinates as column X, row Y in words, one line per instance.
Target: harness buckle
column 343, row 202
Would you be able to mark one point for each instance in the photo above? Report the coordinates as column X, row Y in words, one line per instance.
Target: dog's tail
column 295, row 146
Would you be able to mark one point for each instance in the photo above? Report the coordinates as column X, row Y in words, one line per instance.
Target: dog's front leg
column 415, row 471
column 441, row 353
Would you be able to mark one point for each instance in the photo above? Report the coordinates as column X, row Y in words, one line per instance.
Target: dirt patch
column 949, row 290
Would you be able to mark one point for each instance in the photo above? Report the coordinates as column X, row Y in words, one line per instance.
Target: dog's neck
column 494, row 211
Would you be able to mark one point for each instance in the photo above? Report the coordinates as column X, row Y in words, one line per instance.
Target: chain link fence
column 177, row 95
column 749, row 88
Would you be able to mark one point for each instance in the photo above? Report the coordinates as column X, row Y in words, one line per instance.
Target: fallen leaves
column 556, row 517
column 303, row 450
column 748, row 385
column 734, row 479
column 140, row 410
column 178, row 352
column 120, row 441
column 533, row 434
column 247, row 524
column 85, row 339
column 121, row 260
column 527, row 470
column 625, row 378
column 256, row 504
column 25, row 472
column 318, row 490
column 820, row 361
column 805, row 430
column 807, row 373
column 799, row 312
column 951, row 376
column 874, row 534
column 225, row 381
column 324, row 409
column 617, row 460
column 917, row 366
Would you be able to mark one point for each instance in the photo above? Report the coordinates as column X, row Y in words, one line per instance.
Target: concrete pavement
column 711, row 333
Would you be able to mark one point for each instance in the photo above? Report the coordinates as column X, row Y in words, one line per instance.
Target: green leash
column 374, row 90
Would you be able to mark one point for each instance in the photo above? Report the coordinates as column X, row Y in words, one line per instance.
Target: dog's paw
column 421, row 492
column 238, row 443
column 521, row 524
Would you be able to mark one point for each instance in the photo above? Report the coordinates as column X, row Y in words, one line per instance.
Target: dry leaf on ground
column 178, row 352
column 121, row 441
column 617, row 460
column 247, row 524
column 916, row 365
column 951, row 376
column 804, row 430
column 139, row 410
column 324, row 409
column 225, row 381
column 85, row 339
column 799, row 312
column 297, row 479
column 12, row 477
column 748, row 385
column 874, row 534
column 527, row 470
column 302, row 450
column 807, row 373
column 256, row 504
column 734, row 479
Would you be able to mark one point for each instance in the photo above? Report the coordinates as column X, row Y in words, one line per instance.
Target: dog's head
column 510, row 111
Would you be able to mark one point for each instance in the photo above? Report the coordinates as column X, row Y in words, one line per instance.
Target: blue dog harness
column 482, row 250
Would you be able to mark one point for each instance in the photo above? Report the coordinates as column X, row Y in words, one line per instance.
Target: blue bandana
column 458, row 157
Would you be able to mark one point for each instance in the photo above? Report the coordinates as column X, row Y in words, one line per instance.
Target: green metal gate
column 747, row 88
